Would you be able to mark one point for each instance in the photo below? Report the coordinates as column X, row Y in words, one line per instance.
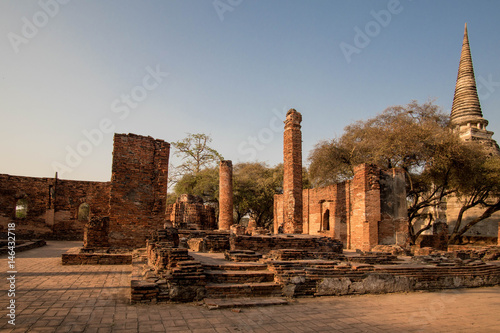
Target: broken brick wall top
column 138, row 188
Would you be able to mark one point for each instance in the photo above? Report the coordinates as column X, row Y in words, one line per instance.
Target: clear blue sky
column 232, row 71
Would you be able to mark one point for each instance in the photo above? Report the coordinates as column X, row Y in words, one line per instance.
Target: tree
column 196, row 153
column 480, row 188
column 205, row 184
column 196, row 156
column 417, row 139
column 255, row 185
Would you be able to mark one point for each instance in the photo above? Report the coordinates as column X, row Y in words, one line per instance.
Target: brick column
column 292, row 178
column 225, row 195
column 498, row 234
column 365, row 207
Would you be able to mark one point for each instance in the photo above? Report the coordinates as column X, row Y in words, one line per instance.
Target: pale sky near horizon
column 234, row 68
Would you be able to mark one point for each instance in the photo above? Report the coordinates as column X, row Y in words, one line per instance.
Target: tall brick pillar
column 292, row 179
column 225, row 195
column 365, row 207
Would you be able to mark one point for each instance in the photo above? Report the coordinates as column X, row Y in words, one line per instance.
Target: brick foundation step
column 225, row 303
column 239, row 276
column 242, row 256
column 236, row 267
column 230, row 290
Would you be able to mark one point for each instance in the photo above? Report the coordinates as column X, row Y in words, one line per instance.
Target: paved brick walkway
column 55, row 298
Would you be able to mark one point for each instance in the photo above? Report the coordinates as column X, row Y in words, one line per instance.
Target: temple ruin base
column 262, row 267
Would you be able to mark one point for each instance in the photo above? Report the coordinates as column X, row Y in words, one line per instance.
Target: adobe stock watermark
column 363, row 37
column 122, row 108
column 486, row 87
column 223, row 6
column 48, row 10
column 253, row 144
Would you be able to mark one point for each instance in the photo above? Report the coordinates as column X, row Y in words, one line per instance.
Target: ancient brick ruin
column 134, row 199
column 189, row 212
column 225, row 195
column 347, row 238
column 52, row 205
column 292, row 177
column 138, row 189
column 363, row 212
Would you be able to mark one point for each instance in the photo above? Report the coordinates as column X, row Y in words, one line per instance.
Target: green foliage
column 204, row 183
column 255, row 185
column 404, row 137
column 21, row 208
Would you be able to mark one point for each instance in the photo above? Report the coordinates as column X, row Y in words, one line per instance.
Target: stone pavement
column 55, row 298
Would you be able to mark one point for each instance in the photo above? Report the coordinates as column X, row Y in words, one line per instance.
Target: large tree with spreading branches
column 418, row 139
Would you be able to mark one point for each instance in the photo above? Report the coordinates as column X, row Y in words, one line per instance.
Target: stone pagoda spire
column 466, row 115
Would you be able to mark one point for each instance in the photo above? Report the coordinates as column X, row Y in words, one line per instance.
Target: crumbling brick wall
column 52, row 205
column 363, row 212
column 135, row 199
column 189, row 212
column 325, row 211
column 138, row 189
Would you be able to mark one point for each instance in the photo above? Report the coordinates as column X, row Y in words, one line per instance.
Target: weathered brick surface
column 189, row 212
column 368, row 210
column 292, row 178
column 95, row 232
column 206, row 241
column 52, row 205
column 366, row 207
column 75, row 256
column 138, row 190
column 177, row 276
column 225, row 195
column 264, row 244
column 134, row 199
column 325, row 277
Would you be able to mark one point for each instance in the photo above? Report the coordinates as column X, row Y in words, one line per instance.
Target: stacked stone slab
column 177, row 276
column 318, row 278
column 206, row 241
column 242, row 279
column 292, row 178
column 264, row 244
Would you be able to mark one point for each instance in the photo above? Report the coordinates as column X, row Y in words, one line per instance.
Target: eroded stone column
column 292, row 178
column 225, row 195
